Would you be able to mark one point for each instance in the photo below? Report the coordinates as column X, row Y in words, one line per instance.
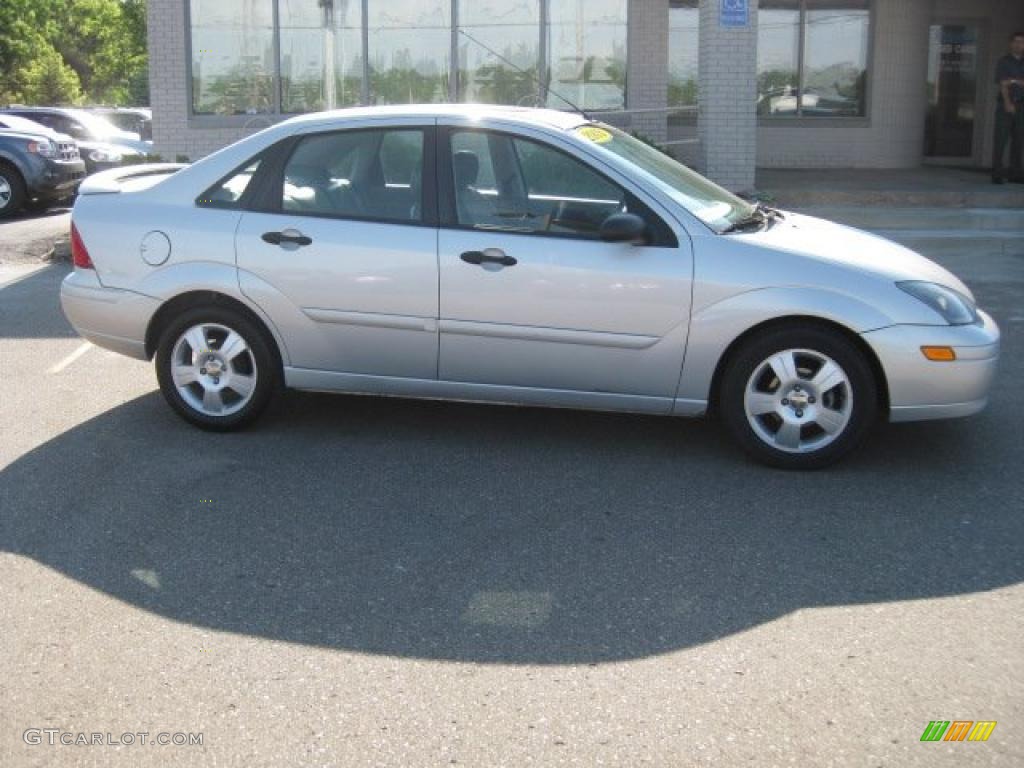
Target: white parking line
column 86, row 346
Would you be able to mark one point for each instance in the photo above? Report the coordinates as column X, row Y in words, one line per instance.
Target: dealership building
column 727, row 85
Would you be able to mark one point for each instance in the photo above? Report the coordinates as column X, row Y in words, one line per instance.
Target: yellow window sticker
column 595, row 134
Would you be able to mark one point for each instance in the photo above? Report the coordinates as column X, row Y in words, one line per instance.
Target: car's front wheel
column 798, row 397
column 216, row 368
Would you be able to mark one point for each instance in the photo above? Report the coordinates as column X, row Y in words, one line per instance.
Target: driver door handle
column 289, row 236
column 488, row 256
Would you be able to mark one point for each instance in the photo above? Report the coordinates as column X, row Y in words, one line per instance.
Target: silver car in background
column 515, row 256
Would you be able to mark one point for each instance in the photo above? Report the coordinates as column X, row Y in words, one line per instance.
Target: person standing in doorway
column 1010, row 112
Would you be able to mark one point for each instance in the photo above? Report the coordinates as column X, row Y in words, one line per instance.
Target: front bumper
column 921, row 389
column 59, row 178
column 108, row 317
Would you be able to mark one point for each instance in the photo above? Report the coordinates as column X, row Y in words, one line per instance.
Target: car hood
column 130, row 140
column 839, row 245
column 43, row 131
column 23, row 134
column 88, row 146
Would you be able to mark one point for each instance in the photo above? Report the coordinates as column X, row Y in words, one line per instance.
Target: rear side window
column 360, row 174
column 228, row 192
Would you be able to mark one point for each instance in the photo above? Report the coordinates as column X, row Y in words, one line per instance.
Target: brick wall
column 726, row 123
column 174, row 133
column 647, row 72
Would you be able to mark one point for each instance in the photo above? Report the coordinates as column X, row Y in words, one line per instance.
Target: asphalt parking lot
column 362, row 582
column 30, row 235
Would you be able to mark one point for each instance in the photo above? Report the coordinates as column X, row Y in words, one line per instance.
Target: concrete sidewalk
column 930, row 187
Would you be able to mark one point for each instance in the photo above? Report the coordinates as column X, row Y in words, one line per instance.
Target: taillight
column 79, row 254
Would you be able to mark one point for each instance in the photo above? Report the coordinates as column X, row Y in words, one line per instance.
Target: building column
column 727, row 118
column 647, row 67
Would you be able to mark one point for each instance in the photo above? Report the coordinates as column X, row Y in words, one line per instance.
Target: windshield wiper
column 760, row 216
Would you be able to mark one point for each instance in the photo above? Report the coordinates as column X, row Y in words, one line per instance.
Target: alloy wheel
column 213, row 369
column 798, row 400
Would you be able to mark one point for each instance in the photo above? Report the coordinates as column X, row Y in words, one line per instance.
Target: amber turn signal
column 939, row 354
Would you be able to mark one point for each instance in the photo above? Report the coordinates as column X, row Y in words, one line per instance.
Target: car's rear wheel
column 217, row 368
column 799, row 397
column 12, row 191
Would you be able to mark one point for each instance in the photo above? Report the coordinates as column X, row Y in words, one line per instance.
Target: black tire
column 38, row 205
column 860, row 387
column 264, row 362
column 13, row 181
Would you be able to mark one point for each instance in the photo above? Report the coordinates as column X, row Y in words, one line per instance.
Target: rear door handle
column 488, row 256
column 286, row 238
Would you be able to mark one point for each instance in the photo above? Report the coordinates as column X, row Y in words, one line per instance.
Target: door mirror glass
column 624, row 228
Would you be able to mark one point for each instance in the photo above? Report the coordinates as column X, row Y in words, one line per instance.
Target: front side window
column 361, row 174
column 812, row 58
column 517, row 185
column 232, row 57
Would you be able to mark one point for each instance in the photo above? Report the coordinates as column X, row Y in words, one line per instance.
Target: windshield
column 16, row 123
column 98, row 127
column 716, row 207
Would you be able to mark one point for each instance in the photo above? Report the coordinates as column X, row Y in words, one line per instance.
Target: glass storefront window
column 812, row 58
column 587, row 53
column 778, row 57
column 498, row 32
column 290, row 56
column 232, row 57
column 409, row 51
column 321, row 54
column 835, row 59
column 683, row 52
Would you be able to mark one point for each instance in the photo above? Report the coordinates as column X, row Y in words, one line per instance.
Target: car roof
column 41, row 109
column 523, row 115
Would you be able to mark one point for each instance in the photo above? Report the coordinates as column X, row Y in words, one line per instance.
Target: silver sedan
column 513, row 256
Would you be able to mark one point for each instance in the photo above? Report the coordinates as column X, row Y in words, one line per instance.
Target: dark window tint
column 375, row 174
column 228, row 193
column 528, row 187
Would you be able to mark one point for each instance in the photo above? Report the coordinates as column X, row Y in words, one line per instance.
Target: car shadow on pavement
column 19, row 302
column 29, row 213
column 492, row 534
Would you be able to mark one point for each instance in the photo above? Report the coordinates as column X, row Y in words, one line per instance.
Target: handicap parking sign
column 734, row 13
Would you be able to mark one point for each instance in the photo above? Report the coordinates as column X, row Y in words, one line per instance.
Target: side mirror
column 624, row 228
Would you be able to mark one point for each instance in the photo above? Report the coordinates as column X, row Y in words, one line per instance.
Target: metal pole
column 364, row 91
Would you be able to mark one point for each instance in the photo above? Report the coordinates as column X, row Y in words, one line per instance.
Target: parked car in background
column 535, row 257
column 97, row 155
column 36, row 170
column 82, row 125
column 133, row 119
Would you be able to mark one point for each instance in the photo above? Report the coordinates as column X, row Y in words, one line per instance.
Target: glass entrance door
column 952, row 91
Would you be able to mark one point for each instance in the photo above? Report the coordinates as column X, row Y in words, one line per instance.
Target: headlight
column 104, row 156
column 953, row 306
column 44, row 148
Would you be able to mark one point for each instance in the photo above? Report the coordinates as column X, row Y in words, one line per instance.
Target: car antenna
column 522, row 71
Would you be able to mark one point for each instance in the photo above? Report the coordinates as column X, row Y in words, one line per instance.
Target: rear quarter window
column 228, row 192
